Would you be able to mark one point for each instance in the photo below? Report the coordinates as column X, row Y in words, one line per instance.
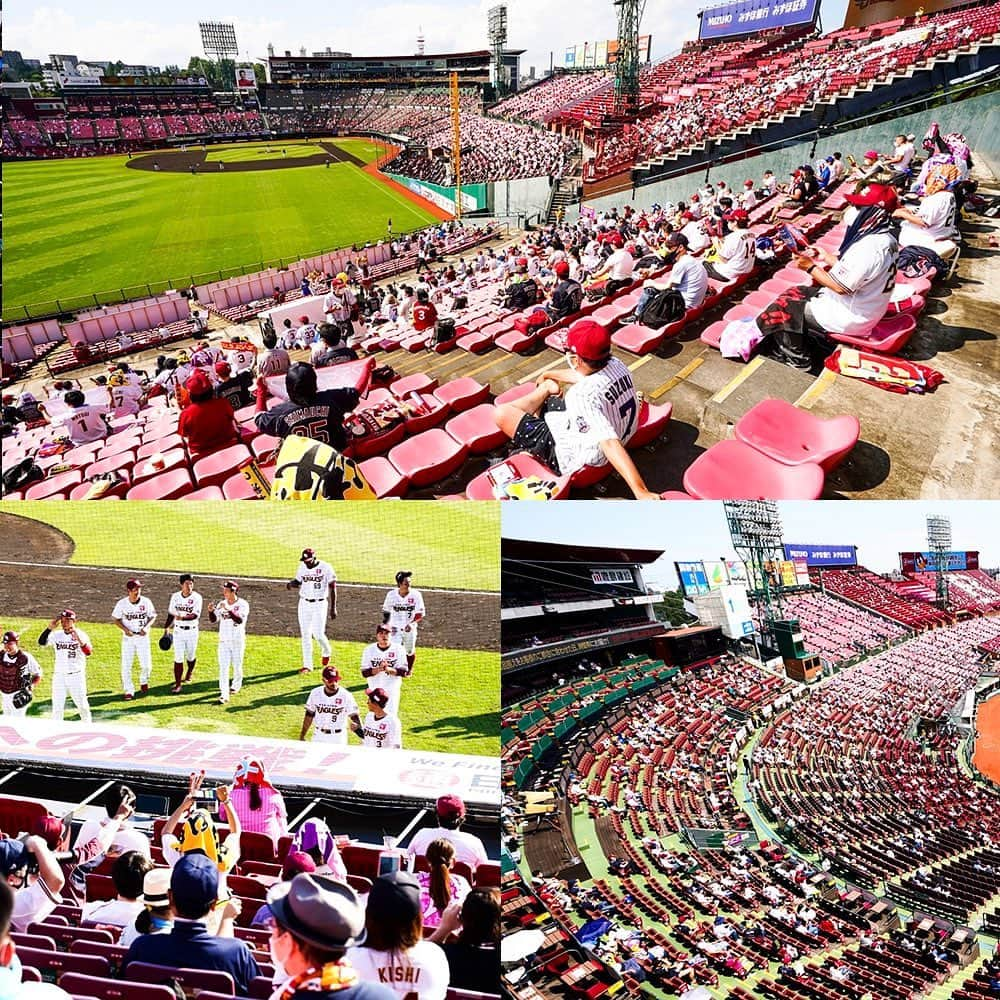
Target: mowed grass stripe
column 77, row 227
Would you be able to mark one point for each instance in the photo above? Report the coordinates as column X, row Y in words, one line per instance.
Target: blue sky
column 880, row 529
column 159, row 34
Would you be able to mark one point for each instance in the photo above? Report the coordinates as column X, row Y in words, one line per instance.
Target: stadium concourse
column 680, row 819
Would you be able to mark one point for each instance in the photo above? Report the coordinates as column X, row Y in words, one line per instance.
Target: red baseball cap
column 562, row 269
column 379, row 696
column 133, row 584
column 222, row 368
column 883, row 195
column 330, row 674
column 69, row 613
column 588, row 340
column 737, row 215
column 748, row 184
column 303, row 319
column 198, row 384
column 450, row 807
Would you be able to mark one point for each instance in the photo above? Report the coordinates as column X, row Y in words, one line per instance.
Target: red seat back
column 114, row 989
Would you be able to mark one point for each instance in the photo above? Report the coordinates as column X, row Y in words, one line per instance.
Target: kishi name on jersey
column 398, row 974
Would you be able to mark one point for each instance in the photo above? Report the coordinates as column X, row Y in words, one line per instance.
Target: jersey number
column 890, row 281
column 315, row 429
column 627, row 412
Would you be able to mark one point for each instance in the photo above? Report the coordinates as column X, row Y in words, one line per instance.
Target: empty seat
column 420, row 382
column 206, row 493
column 166, row 486
column 428, row 457
column 158, row 463
column 462, row 393
column 477, row 429
column 637, row 338
column 383, row 477
column 215, row 469
column 515, row 392
column 652, row 422
column 55, row 487
column 890, row 336
column 797, row 437
column 732, row 470
column 152, row 446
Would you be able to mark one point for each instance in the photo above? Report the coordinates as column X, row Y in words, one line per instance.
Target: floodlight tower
column 939, row 543
column 627, row 67
column 218, row 40
column 456, row 142
column 755, row 528
column 497, row 22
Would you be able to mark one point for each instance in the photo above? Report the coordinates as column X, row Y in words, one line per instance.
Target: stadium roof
column 324, row 57
column 522, row 548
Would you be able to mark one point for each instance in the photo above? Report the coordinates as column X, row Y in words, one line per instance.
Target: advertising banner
column 715, row 570
column 823, row 555
column 788, row 574
column 473, row 195
column 693, row 578
column 801, row 572
column 246, row 78
column 926, row 562
column 737, row 571
column 570, row 61
column 745, row 16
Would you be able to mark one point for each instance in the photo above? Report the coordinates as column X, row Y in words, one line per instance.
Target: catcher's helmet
column 23, row 697
column 300, row 382
column 403, row 574
column 166, row 641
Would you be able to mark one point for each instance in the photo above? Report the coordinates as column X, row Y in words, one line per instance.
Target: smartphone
column 501, row 474
column 388, row 863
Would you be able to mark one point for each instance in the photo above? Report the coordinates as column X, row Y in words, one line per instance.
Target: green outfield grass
column 446, row 545
column 73, row 228
column 256, row 151
column 363, row 149
column 274, row 694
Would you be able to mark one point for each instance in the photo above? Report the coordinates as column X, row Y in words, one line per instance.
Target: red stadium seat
column 637, row 339
column 82, row 455
column 114, row 989
column 890, row 336
column 463, row 394
column 215, row 469
column 153, row 445
column 192, row 981
column 168, row 461
column 515, row 392
column 121, row 463
column 795, row 437
column 53, row 964
column 732, row 470
column 480, row 488
column 55, row 487
column 118, row 443
column 437, row 413
column 265, row 444
column 419, row 382
column 428, row 457
column 652, row 422
column 167, row 486
column 383, row 477
column 477, row 429
column 207, row 493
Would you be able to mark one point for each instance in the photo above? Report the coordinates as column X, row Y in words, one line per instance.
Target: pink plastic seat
column 557, row 340
column 420, row 382
column 237, row 487
column 118, row 443
column 428, row 457
column 206, row 493
column 384, row 478
column 215, row 469
column 462, row 393
column 589, row 475
column 173, row 458
column 79, row 457
column 796, row 437
column 732, row 470
column 712, row 334
column 415, row 343
column 477, row 429
column 151, row 447
column 121, row 463
column 55, row 487
column 652, row 423
column 675, row 495
column 437, row 414
column 478, row 341
column 515, row 392
column 890, row 336
column 264, row 444
column 166, row 486
column 637, row 338
column 524, row 464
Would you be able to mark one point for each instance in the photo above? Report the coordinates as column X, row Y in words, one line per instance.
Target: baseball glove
column 23, row 698
column 166, row 641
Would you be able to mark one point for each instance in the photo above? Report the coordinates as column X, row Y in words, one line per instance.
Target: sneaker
column 234, row 690
column 223, row 701
column 306, row 670
column 128, row 697
column 144, row 688
column 176, row 689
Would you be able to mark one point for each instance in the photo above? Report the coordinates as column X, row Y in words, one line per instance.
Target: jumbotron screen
column 746, row 16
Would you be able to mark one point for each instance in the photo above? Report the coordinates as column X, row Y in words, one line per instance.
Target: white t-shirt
column 127, row 839
column 117, row 912
column 469, row 848
column 69, row 654
column 377, row 659
column 696, row 236
column 402, row 610
column 689, row 277
column 738, row 253
column 620, row 265
column 181, row 605
column 125, row 399
column 86, row 423
column 32, row 904
column 907, row 152
column 384, row 732
column 748, row 199
column 331, row 712
column 315, row 582
column 938, row 211
column 599, row 407
column 868, row 272
column 241, row 360
column 135, row 617
column 421, row 971
column 228, row 628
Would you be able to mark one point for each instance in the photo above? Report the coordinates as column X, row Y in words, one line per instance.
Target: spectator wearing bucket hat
column 394, row 952
column 207, row 423
column 592, row 422
column 317, row 924
column 194, row 894
column 450, row 810
column 154, row 917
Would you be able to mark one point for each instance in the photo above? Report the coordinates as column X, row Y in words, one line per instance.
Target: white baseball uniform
column 185, row 630
column 70, row 673
column 137, row 618
column 331, row 714
column 232, row 620
column 384, row 732
column 374, row 662
column 314, row 591
column 401, row 611
column 13, row 668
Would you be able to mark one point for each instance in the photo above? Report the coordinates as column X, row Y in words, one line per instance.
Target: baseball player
column 402, row 609
column 384, row 665
column 72, row 646
column 333, row 708
column 183, row 619
column 19, row 673
column 316, row 583
column 134, row 614
column 231, row 614
column 380, row 729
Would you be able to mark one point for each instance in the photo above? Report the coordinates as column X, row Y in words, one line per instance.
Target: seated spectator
column 275, row 360
column 688, row 274
column 127, row 873
column 295, row 863
column 693, row 230
column 85, row 422
column 235, row 389
column 331, row 350
column 567, row 296
column 394, row 951
column 317, row 923
column 194, row 893
column 424, row 313
column 450, row 810
column 314, row 839
column 473, row 955
column 11, row 984
column 440, row 887
column 126, row 397
column 931, row 224
column 207, row 422
column 36, row 894
column 197, row 831
column 737, row 252
column 618, row 269
column 258, row 804
column 155, row 917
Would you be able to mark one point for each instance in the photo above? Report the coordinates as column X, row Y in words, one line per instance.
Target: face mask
column 10, row 979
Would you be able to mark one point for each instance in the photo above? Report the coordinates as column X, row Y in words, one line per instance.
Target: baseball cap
column 394, row 897
column 450, row 807
column 320, row 911
column 231, row 585
column 829, row 159
column 874, row 194
column 13, row 856
column 677, row 240
column 562, row 269
column 194, row 883
column 51, row 830
column 308, row 554
column 133, row 583
column 695, row 197
column 748, row 184
column 330, row 674
column 737, row 215
column 198, row 384
column 382, row 627
column 11, row 636
column 155, row 886
column 403, row 574
column 522, row 261
column 68, row 613
column 871, row 155
column 687, row 215
column 588, row 340
column 222, row 368
column 379, row 696
column 296, row 862
column 303, row 319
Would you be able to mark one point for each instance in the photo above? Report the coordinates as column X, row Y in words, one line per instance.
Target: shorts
column 534, row 435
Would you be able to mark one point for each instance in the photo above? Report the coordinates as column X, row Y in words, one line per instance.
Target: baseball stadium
column 737, row 766
column 775, row 243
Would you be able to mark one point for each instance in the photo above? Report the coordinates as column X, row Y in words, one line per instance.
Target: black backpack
column 664, row 307
column 567, row 297
column 522, row 295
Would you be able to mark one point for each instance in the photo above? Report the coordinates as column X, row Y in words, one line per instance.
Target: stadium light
column 218, row 40
column 939, row 542
column 755, row 529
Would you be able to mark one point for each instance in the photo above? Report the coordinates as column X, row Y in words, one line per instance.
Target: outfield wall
column 528, row 196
